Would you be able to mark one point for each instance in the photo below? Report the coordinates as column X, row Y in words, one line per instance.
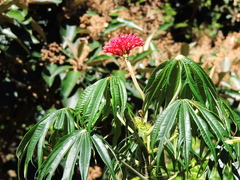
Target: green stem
column 134, row 78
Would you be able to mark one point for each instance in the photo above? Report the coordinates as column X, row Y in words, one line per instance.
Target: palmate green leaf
column 118, row 94
column 154, row 88
column 92, row 102
column 71, row 146
column 35, row 138
column 81, row 149
column 85, row 155
column 96, row 102
column 163, row 126
column 180, row 78
column 118, row 102
column 202, row 86
column 96, row 99
column 230, row 114
column 21, row 151
column 164, row 84
column 205, row 132
column 185, row 135
column 217, row 127
column 83, row 100
column 190, row 116
column 91, row 107
column 29, row 143
column 103, row 153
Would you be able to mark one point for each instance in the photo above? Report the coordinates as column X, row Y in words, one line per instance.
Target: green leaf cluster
column 71, row 139
column 188, row 125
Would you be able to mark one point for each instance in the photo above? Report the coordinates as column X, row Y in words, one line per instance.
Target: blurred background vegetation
column 50, row 50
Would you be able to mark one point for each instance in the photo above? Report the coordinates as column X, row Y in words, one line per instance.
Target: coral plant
column 181, row 129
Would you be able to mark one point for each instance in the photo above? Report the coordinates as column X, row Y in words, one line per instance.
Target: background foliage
column 50, row 51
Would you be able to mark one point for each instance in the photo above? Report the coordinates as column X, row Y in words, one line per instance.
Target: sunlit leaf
column 47, row 1
column 16, row 14
column 183, row 76
column 129, row 23
column 139, row 56
column 165, row 26
column 92, row 102
column 118, row 94
column 69, row 82
column 113, row 27
column 81, row 147
column 91, row 13
column 69, row 33
column 185, row 137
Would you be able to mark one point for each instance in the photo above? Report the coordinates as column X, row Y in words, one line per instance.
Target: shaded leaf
column 205, row 132
column 52, row 70
column 103, row 153
column 69, row 145
column 163, row 126
column 35, row 138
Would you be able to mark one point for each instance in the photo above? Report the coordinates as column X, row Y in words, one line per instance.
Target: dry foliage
column 95, row 24
column 53, row 54
column 94, row 173
column 221, row 55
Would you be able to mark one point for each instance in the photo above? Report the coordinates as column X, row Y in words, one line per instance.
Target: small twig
column 134, row 170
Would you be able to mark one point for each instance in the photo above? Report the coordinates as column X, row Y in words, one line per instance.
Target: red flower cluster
column 123, row 44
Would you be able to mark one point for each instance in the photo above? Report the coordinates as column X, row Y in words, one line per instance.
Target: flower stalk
column 121, row 46
column 130, row 69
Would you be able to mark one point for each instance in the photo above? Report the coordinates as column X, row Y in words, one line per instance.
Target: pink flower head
column 123, row 44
